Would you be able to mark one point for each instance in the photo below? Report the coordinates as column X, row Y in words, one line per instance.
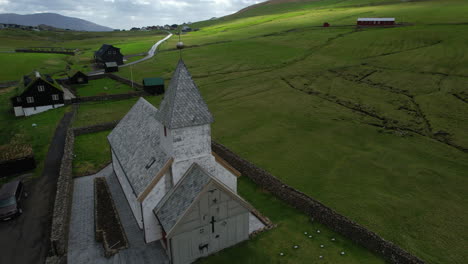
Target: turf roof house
column 35, row 94
column 179, row 191
column 108, row 53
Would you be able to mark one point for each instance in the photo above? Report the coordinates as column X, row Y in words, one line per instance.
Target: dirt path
column 26, row 239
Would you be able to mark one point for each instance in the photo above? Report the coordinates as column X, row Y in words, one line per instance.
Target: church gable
column 198, row 200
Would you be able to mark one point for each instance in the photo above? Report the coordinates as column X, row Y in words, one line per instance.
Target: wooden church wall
column 216, row 222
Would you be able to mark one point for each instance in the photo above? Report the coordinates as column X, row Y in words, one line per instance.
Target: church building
column 180, row 192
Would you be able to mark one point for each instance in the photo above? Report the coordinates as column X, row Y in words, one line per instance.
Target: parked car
column 11, row 195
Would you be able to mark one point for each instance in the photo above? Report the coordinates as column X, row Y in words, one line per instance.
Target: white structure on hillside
column 179, row 191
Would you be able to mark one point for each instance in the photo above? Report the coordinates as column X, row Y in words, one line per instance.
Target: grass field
column 91, row 153
column 103, row 86
column 290, row 229
column 92, row 113
column 18, row 64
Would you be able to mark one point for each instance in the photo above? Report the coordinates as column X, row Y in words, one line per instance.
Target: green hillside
column 372, row 122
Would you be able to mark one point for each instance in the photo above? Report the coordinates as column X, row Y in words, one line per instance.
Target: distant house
column 111, row 67
column 36, row 94
column 382, row 21
column 108, row 53
column 78, row 78
column 326, row 24
column 153, row 85
column 186, row 29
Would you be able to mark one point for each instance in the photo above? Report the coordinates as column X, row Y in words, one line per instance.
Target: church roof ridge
column 183, row 105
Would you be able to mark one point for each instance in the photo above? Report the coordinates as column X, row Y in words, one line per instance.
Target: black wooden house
column 35, row 94
column 77, row 77
column 108, row 53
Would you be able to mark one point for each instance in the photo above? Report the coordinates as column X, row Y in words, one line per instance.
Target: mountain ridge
column 52, row 19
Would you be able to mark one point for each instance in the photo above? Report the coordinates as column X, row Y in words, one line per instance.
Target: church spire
column 183, row 105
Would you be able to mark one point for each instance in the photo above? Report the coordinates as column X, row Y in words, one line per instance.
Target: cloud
column 130, row 13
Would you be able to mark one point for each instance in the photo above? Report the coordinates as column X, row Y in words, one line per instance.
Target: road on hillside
column 25, row 239
column 151, row 54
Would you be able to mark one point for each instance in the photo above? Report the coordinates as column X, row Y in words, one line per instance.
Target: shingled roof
column 135, row 142
column 178, row 200
column 183, row 105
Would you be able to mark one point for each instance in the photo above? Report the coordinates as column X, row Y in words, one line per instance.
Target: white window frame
column 40, row 88
column 55, row 97
column 30, row 99
column 18, row 99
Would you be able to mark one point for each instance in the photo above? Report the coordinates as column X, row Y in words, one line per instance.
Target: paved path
column 26, row 239
column 151, row 52
column 82, row 247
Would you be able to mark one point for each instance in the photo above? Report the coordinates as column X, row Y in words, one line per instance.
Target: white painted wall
column 191, row 142
column 187, row 142
column 131, row 197
column 18, row 111
column 153, row 230
column 39, row 109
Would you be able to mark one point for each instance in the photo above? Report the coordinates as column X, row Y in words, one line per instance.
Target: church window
column 165, row 131
column 150, row 163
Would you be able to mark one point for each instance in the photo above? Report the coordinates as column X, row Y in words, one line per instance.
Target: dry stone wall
column 63, row 201
column 316, row 210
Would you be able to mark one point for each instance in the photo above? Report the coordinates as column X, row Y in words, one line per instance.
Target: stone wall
column 323, row 214
column 78, row 100
column 95, row 128
column 115, row 78
column 63, row 201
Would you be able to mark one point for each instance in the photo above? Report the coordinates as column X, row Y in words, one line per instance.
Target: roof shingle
column 183, row 105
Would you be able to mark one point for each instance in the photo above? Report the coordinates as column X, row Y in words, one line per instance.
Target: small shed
column 326, row 24
column 111, row 67
column 376, row 21
column 153, row 85
column 78, row 78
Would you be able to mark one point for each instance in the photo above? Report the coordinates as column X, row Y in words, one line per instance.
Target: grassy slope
column 86, row 42
column 92, row 113
column 408, row 187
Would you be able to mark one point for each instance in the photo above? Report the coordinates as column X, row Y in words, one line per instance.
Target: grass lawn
column 92, row 153
column 92, row 113
column 20, row 64
column 103, row 86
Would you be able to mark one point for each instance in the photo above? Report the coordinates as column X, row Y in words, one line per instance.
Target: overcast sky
column 129, row 13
